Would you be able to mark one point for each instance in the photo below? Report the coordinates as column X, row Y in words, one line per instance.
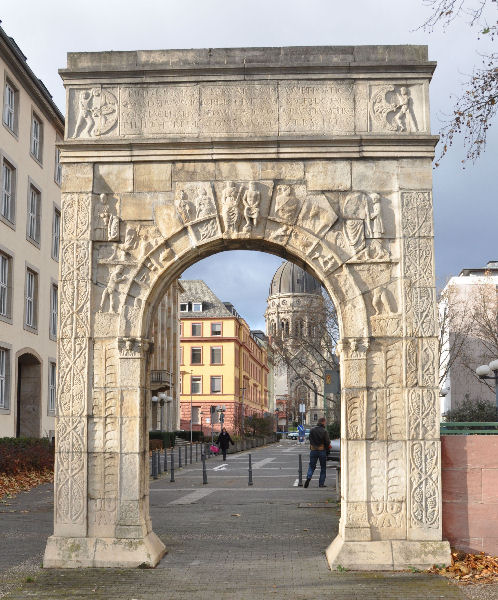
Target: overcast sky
column 465, row 201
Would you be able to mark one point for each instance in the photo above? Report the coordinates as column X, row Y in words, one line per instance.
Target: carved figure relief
column 391, row 108
column 424, row 487
column 107, row 223
column 357, row 514
column 251, row 201
column 97, row 113
column 194, row 201
column 287, row 206
column 116, row 277
column 132, row 347
column 230, row 202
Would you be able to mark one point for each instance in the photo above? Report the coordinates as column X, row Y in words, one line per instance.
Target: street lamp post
column 277, row 410
column 490, row 372
column 202, row 433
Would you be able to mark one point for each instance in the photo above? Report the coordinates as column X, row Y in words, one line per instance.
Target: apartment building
column 222, row 363
column 30, row 178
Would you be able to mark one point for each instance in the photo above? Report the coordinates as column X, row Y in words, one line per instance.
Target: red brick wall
column 470, row 491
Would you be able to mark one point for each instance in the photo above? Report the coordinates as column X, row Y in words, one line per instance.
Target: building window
column 183, row 306
column 216, row 384
column 58, row 167
column 56, row 234
column 215, row 328
column 4, row 378
column 54, row 302
column 36, row 138
column 216, row 355
column 52, row 386
column 196, row 329
column 31, row 299
column 10, row 103
column 197, row 307
column 8, row 191
column 196, row 419
column 196, row 384
column 5, row 285
column 315, row 417
column 196, row 356
column 34, row 201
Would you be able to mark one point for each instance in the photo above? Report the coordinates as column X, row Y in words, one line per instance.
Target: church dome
column 291, row 279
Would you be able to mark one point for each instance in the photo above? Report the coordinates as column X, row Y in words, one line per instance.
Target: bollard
column 300, row 475
column 190, row 452
column 204, row 472
column 250, row 471
column 186, row 459
column 179, row 457
column 338, row 482
column 196, row 451
column 165, row 460
column 159, row 463
column 172, row 477
column 154, row 464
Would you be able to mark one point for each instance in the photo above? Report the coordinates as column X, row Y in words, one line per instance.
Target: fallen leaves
column 470, row 568
column 10, row 485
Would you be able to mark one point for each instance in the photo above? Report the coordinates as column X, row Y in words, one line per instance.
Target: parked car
column 307, row 434
column 335, row 450
column 292, row 435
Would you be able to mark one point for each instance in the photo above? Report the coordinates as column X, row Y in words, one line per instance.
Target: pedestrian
column 319, row 448
column 223, row 442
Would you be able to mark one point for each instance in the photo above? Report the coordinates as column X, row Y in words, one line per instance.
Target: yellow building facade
column 222, row 363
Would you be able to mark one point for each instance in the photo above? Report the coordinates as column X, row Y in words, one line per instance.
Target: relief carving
column 424, row 488
column 385, row 321
column 194, row 201
column 287, row 206
column 106, row 222
column 416, row 214
column 132, row 347
column 418, row 257
column 230, row 202
column 423, row 414
column 387, row 483
column 111, row 292
column 391, row 108
column 355, row 415
column 251, row 201
column 97, row 113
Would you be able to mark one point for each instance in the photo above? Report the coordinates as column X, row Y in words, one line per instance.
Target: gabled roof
column 196, row 290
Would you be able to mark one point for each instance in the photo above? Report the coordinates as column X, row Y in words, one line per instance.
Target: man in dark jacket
column 319, row 446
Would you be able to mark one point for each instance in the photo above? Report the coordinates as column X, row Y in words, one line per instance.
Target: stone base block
column 387, row 555
column 72, row 553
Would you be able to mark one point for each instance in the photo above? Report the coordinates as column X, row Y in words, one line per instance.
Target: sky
column 465, row 196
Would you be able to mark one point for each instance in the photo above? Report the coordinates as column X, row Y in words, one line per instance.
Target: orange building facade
column 222, row 364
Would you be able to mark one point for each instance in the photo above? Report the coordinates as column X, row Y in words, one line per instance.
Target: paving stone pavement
column 225, row 540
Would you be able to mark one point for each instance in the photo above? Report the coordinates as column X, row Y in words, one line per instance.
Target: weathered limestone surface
column 320, row 155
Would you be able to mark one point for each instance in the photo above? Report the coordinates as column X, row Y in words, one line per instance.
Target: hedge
column 25, row 454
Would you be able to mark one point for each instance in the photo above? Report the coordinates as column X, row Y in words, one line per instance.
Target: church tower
column 295, row 324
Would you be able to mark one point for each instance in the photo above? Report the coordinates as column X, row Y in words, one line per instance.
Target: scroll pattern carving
column 424, row 488
column 70, row 502
column 387, row 484
column 418, row 261
column 423, row 419
column 421, row 362
column 416, row 214
column 355, row 415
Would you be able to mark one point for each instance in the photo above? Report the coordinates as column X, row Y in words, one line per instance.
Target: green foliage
column 334, row 430
column 473, row 411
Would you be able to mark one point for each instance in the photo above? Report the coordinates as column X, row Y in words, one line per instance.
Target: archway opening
column 28, row 396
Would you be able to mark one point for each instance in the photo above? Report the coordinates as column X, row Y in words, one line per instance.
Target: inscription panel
column 158, row 110
column 309, row 107
column 246, row 108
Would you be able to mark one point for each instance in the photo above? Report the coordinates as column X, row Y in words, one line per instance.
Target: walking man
column 319, row 446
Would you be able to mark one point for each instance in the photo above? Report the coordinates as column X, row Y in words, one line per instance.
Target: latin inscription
column 309, row 107
column 159, row 110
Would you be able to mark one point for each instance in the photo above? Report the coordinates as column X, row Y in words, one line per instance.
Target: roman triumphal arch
column 319, row 154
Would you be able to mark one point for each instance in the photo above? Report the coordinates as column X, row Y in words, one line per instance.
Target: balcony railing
column 161, row 377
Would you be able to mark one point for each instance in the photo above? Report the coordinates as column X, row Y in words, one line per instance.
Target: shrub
column 167, row 437
column 473, row 411
column 25, row 454
column 334, row 430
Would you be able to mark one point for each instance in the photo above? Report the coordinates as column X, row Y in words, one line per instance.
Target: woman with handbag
column 223, row 442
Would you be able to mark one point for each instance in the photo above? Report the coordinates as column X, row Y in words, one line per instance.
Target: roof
column 291, row 279
column 34, row 86
column 196, row 290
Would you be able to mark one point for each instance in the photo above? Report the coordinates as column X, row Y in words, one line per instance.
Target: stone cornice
column 353, row 146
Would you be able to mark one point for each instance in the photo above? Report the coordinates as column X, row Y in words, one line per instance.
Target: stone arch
column 348, row 198
column 29, row 366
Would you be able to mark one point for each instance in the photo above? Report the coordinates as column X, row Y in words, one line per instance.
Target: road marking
column 222, row 467
column 260, row 463
column 192, row 497
column 296, row 483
